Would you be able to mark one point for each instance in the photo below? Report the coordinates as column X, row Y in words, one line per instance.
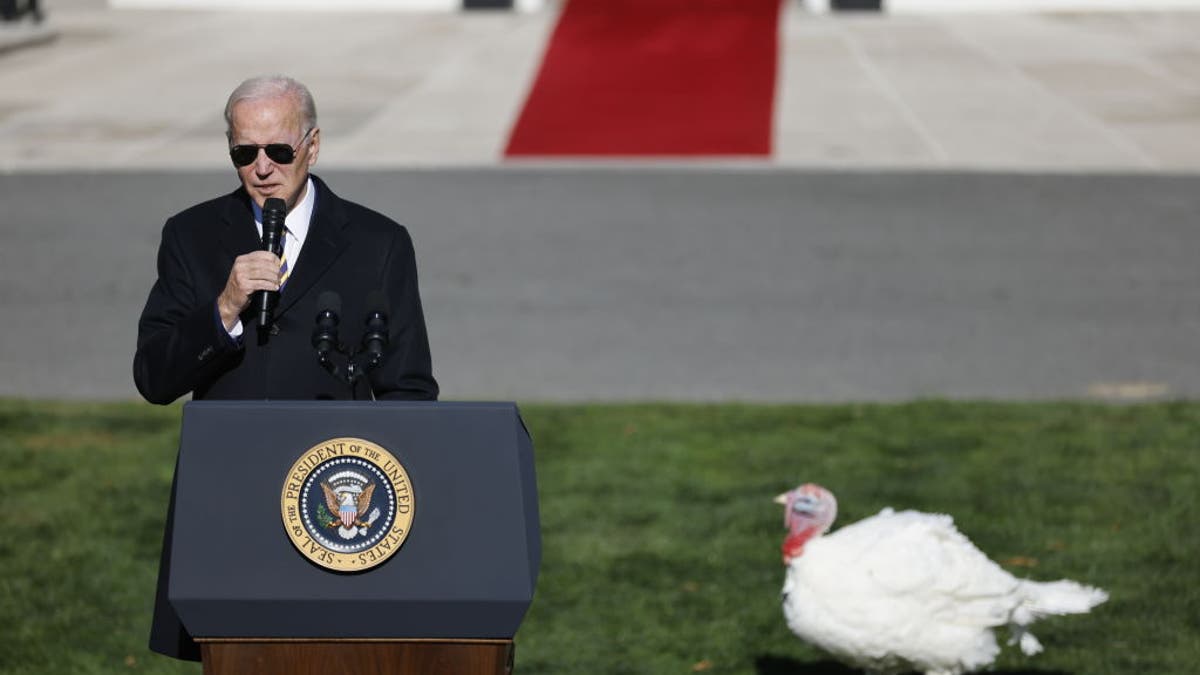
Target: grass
column 660, row 539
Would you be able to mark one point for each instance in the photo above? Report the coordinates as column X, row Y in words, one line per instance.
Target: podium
column 437, row 537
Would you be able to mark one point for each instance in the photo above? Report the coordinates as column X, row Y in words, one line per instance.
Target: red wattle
column 793, row 545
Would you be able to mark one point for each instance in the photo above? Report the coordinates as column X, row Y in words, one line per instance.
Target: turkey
column 904, row 591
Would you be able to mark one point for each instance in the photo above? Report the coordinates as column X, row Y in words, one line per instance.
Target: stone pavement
column 16, row 35
column 129, row 89
column 700, row 284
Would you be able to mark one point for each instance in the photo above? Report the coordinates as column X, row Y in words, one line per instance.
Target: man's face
column 274, row 120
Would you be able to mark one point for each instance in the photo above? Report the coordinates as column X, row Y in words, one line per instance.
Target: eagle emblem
column 347, row 498
column 347, row 504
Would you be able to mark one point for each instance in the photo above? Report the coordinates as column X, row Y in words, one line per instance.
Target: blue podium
column 338, row 536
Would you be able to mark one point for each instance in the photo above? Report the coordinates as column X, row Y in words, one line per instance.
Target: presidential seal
column 347, row 504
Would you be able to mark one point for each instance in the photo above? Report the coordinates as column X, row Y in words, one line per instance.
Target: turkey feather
column 906, row 590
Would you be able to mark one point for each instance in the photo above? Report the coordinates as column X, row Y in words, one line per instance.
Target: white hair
column 272, row 86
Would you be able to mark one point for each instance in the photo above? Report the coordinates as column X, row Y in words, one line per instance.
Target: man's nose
column 263, row 164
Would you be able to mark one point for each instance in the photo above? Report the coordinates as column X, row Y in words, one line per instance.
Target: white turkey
column 904, row 591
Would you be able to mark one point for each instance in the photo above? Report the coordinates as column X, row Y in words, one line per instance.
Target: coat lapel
column 239, row 236
column 325, row 242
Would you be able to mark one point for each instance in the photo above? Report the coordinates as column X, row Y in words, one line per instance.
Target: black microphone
column 273, row 214
column 325, row 334
column 375, row 339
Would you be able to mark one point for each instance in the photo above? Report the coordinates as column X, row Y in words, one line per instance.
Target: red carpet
column 654, row 78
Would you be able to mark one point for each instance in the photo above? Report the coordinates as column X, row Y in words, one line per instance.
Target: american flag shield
column 348, row 514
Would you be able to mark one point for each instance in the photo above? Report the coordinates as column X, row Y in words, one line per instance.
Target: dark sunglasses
column 280, row 153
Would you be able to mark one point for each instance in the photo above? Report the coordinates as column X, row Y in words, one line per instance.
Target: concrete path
column 684, row 284
column 1062, row 92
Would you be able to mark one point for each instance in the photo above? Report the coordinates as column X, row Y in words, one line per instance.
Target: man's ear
column 314, row 145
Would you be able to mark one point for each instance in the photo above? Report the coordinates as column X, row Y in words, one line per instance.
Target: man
column 199, row 332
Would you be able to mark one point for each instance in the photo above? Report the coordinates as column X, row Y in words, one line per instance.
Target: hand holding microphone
column 256, row 272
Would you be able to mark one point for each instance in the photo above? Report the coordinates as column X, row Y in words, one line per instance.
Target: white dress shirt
column 296, row 225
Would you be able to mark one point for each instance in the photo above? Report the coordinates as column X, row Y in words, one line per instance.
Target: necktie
column 283, row 262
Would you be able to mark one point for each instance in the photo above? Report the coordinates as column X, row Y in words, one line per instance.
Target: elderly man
column 198, row 332
column 194, row 332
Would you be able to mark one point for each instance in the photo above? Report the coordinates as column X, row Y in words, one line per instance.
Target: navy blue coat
column 182, row 347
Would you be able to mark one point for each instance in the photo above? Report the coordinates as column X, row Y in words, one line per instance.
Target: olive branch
column 324, row 518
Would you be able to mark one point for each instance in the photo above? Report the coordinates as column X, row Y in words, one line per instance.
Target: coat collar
column 324, row 244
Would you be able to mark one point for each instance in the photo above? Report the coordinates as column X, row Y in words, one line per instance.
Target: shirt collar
column 298, row 219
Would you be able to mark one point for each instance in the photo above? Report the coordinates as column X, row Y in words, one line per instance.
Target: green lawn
column 661, row 544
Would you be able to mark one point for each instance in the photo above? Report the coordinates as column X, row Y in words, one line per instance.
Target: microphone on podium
column 325, row 334
column 358, row 360
column 375, row 339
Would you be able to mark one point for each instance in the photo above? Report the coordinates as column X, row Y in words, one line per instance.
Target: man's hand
column 256, row 271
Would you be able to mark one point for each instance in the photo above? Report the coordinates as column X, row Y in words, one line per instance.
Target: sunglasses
column 280, row 153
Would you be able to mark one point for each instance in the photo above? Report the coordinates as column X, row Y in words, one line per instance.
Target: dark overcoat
column 182, row 346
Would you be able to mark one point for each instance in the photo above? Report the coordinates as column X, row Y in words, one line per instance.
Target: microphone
column 375, row 339
column 273, row 214
column 325, row 334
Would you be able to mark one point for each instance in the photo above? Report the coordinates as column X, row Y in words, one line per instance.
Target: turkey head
column 809, row 511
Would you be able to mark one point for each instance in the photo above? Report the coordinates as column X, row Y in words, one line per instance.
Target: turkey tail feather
column 1063, row 597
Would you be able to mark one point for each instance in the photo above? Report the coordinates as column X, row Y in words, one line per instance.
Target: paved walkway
column 128, row 89
column 26, row 33
column 699, row 284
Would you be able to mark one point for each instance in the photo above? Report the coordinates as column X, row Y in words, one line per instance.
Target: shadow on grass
column 778, row 665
